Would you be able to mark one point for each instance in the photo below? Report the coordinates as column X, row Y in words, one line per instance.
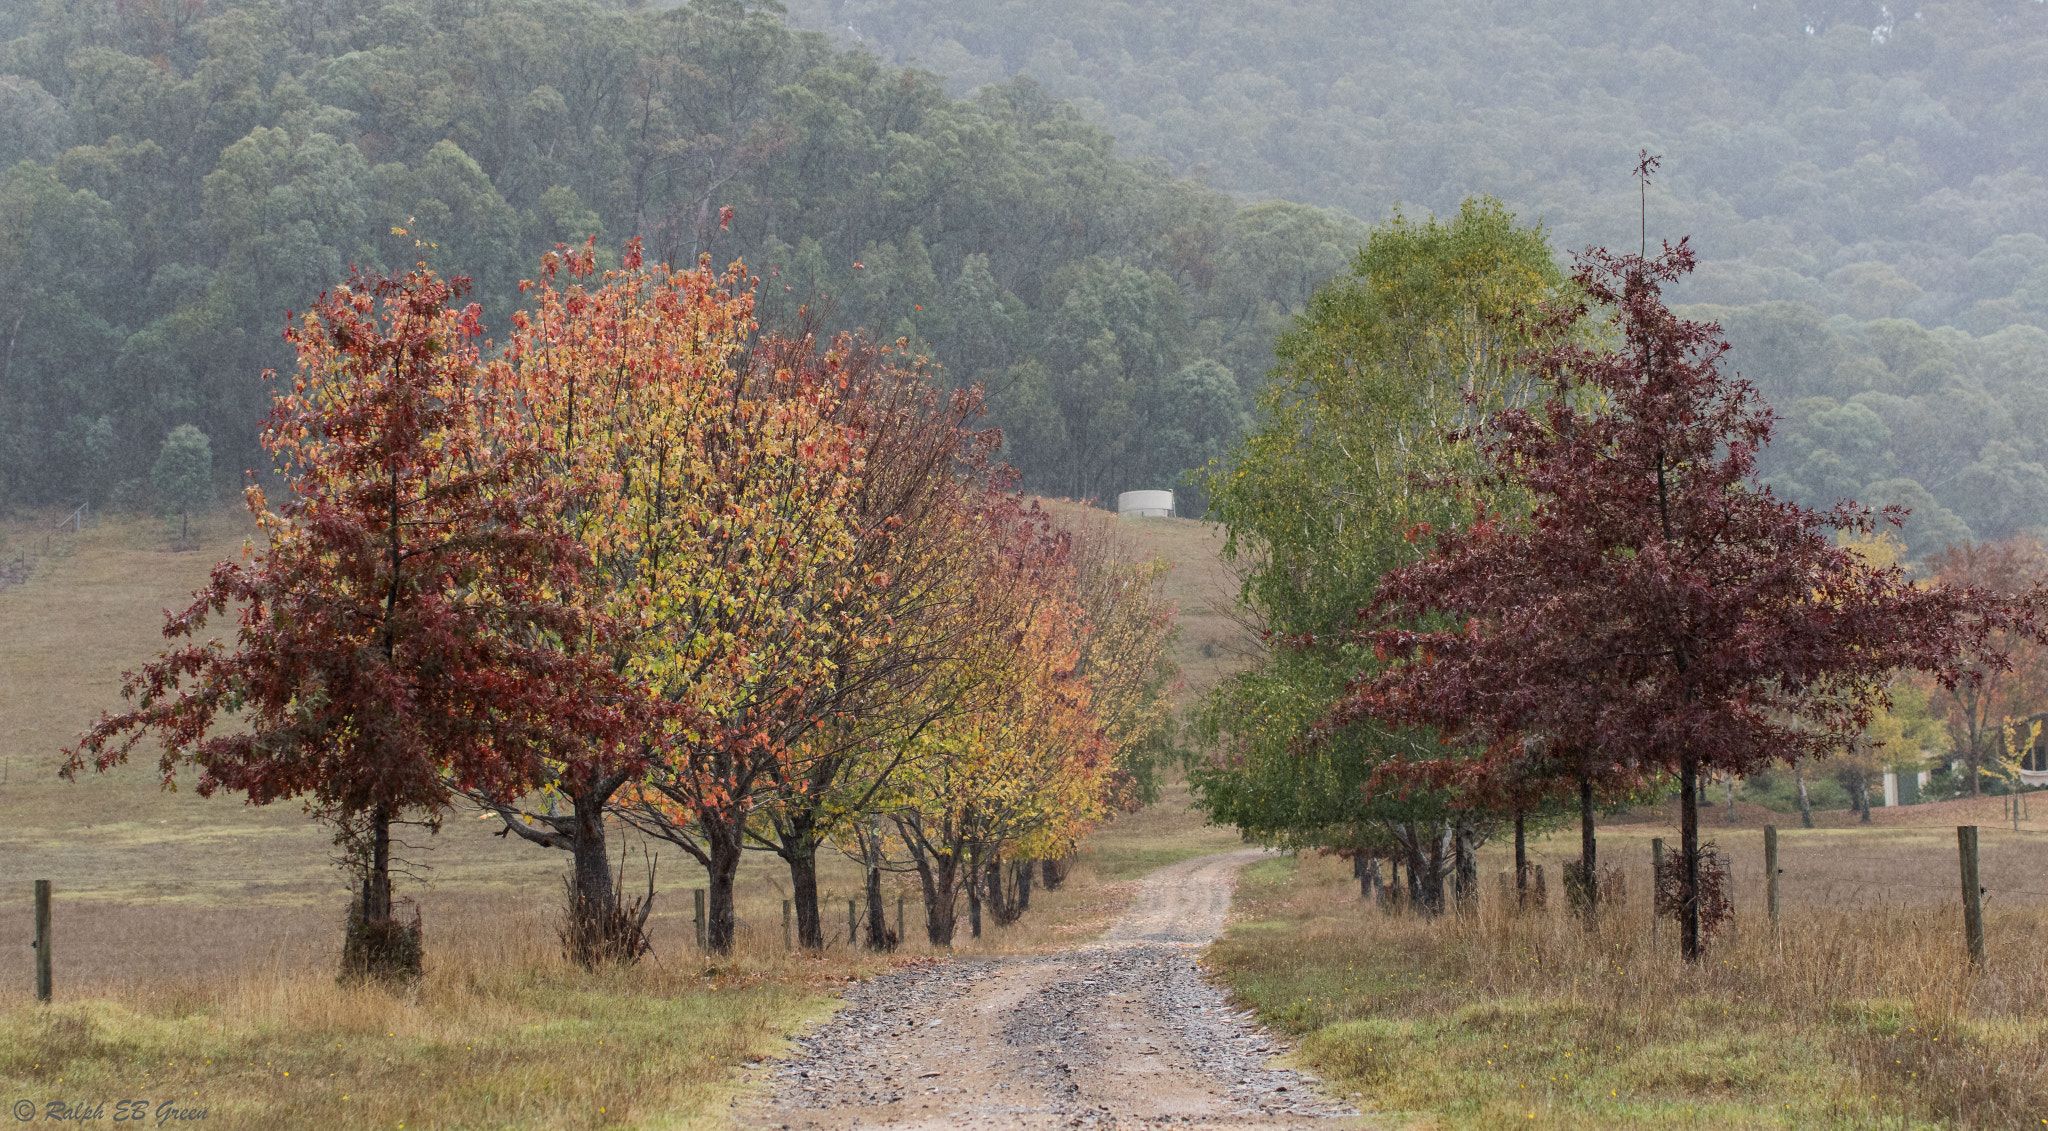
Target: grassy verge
column 502, row 1032
column 1846, row 1018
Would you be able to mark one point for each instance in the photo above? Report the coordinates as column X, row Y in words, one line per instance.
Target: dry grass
column 196, row 940
column 1859, row 1011
column 239, row 1012
column 1213, row 641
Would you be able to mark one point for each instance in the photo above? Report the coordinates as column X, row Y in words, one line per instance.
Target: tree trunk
column 1020, row 882
column 1432, row 889
column 1805, row 806
column 880, row 935
column 1589, row 852
column 374, row 943
column 599, row 929
column 1731, row 799
column 1053, row 872
column 1863, row 796
column 1418, row 897
column 723, row 844
column 1003, row 900
column 936, row 875
column 1521, row 859
column 1394, row 889
column 973, row 900
column 803, row 897
column 797, row 843
column 377, row 877
column 1689, row 848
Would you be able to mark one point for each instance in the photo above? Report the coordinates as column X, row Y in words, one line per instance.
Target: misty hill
column 1879, row 160
column 1850, row 172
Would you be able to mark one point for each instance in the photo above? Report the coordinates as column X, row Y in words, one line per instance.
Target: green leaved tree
column 183, row 474
column 1353, row 450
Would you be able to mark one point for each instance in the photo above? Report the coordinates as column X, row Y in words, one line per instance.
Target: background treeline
column 178, row 175
column 1875, row 159
column 1850, row 172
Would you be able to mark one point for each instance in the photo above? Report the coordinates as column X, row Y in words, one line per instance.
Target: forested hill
column 1881, row 159
column 179, row 173
column 1866, row 182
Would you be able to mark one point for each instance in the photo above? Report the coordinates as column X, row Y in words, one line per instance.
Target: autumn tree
column 1655, row 611
column 2010, row 679
column 398, row 629
column 921, row 497
column 599, row 379
column 1026, row 767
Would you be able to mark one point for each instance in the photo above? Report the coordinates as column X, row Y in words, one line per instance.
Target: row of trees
column 1504, row 530
column 646, row 562
column 172, row 178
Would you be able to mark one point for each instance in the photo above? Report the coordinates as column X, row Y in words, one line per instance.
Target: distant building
column 1145, row 504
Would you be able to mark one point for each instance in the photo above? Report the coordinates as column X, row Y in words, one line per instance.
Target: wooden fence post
column 1973, row 903
column 1771, row 872
column 702, row 942
column 1656, row 879
column 43, row 988
column 788, row 942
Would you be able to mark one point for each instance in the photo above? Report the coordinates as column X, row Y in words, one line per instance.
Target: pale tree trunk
column 1467, row 869
column 1367, row 872
column 1805, row 805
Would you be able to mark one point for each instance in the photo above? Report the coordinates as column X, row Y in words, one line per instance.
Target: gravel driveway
column 1125, row 1031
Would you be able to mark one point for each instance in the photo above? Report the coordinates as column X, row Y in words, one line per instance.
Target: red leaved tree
column 399, row 634
column 1657, row 611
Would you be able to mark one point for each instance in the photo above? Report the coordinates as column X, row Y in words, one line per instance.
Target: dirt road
column 1121, row 1032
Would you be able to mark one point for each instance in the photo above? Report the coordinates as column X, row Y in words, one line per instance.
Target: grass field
column 196, row 939
column 1858, row 1012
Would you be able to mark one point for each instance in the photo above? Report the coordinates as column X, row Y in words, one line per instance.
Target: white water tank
column 1145, row 504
